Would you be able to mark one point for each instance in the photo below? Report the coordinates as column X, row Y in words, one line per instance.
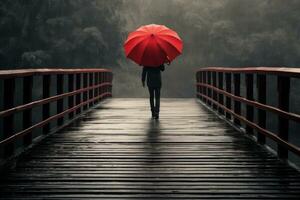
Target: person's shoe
column 156, row 116
column 153, row 115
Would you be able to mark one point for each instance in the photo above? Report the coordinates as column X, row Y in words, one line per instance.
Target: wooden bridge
column 63, row 139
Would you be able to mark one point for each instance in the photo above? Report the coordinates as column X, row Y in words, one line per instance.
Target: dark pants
column 154, row 93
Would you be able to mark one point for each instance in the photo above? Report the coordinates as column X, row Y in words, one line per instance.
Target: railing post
column 283, row 86
column 60, row 102
column 105, row 80
column 228, row 89
column 221, row 96
column 237, row 92
column 110, row 80
column 71, row 98
column 1, row 118
column 79, row 95
column 27, row 114
column 205, row 88
column 208, row 89
column 100, row 89
column 261, row 98
column 91, row 92
column 249, row 96
column 85, row 94
column 214, row 81
column 8, row 121
column 46, row 107
column 96, row 90
column 198, row 88
column 201, row 87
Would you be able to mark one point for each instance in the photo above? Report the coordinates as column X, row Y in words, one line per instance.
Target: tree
column 65, row 33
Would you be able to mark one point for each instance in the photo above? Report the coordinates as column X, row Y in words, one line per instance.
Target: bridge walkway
column 118, row 152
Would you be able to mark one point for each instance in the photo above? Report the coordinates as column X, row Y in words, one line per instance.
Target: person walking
column 151, row 46
column 153, row 76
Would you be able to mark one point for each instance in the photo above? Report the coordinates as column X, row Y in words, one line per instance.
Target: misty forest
column 90, row 33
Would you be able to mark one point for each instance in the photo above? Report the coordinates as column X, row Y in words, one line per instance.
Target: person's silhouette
column 153, row 75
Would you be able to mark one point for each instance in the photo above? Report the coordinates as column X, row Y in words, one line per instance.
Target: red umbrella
column 153, row 45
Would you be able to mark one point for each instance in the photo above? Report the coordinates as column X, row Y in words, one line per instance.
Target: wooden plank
column 118, row 152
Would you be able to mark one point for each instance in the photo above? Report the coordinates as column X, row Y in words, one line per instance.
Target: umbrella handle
column 168, row 60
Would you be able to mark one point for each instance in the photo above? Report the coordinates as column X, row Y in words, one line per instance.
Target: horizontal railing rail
column 291, row 116
column 218, row 87
column 48, row 100
column 35, row 102
column 33, row 72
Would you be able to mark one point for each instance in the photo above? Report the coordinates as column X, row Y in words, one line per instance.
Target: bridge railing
column 35, row 102
column 220, row 88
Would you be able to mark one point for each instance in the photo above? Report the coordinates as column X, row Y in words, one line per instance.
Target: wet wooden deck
column 118, row 152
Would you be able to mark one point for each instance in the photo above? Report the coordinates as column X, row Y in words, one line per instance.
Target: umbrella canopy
column 153, row 45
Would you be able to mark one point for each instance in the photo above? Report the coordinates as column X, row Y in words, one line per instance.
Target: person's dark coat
column 153, row 75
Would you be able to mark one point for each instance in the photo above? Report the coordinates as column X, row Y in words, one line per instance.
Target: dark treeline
column 63, row 33
column 90, row 33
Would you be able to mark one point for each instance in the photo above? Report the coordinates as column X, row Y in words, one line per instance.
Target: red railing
column 45, row 99
column 211, row 91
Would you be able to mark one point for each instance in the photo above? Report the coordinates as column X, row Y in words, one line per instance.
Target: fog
column 215, row 33
column 90, row 33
